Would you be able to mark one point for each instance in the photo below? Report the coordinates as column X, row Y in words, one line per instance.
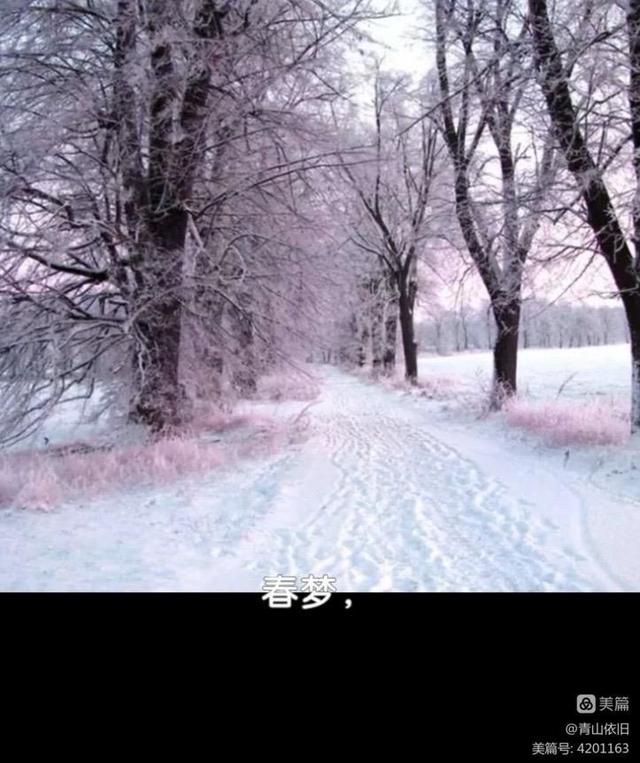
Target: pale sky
column 401, row 39
column 402, row 45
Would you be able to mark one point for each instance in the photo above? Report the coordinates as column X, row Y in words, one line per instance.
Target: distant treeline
column 543, row 324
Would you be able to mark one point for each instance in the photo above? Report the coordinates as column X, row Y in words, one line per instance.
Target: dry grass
column 561, row 423
column 43, row 479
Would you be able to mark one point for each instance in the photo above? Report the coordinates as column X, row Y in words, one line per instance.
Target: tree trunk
column 390, row 333
column 377, row 329
column 205, row 327
column 244, row 374
column 160, row 197
column 158, row 396
column 631, row 303
column 363, row 341
column 635, row 382
column 505, row 352
column 406, row 301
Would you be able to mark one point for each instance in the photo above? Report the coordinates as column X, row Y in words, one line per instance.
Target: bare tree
column 613, row 242
column 143, row 145
column 394, row 190
column 488, row 88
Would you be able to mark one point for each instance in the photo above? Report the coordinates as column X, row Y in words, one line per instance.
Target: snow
column 389, row 491
column 593, row 371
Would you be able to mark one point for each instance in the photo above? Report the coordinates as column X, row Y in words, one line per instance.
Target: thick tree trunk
column 158, row 396
column 505, row 352
column 406, row 301
column 159, row 199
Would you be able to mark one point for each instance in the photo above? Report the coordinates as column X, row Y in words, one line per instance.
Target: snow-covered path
column 381, row 496
column 382, row 504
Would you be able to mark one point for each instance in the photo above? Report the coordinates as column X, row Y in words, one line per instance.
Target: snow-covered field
column 579, row 371
column 388, row 491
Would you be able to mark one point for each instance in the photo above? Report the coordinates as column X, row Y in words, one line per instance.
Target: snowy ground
column 579, row 371
column 388, row 492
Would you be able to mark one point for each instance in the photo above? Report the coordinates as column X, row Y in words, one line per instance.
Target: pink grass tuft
column 44, row 479
column 563, row 423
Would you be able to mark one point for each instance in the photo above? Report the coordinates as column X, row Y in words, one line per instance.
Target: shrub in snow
column 561, row 423
column 44, row 479
column 41, row 489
